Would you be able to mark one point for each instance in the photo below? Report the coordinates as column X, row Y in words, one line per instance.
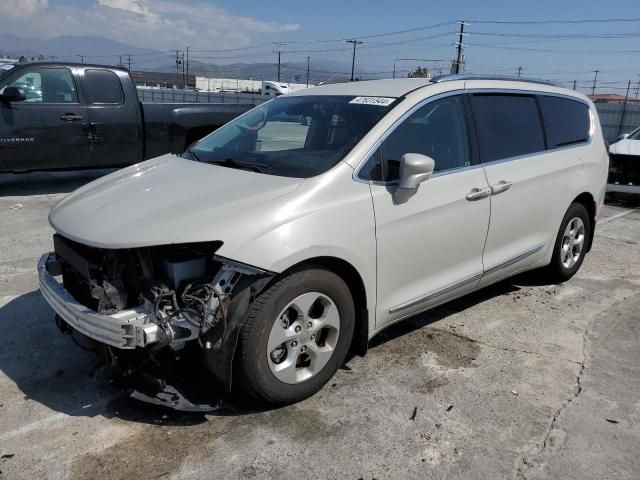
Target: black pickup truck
column 75, row 116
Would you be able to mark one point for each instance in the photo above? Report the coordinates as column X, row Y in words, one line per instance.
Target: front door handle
column 478, row 194
column 70, row 117
column 501, row 186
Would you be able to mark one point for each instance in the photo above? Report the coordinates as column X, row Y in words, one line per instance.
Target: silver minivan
column 275, row 245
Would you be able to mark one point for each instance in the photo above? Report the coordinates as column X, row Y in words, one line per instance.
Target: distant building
column 163, row 80
column 612, row 98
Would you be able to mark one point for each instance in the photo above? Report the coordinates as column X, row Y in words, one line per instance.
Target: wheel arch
column 354, row 281
column 588, row 201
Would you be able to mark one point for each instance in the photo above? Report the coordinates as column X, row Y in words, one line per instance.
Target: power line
column 557, row 22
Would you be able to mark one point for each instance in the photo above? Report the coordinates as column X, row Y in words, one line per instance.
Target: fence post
column 624, row 108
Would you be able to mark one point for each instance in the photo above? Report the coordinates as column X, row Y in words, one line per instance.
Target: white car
column 275, row 247
column 624, row 167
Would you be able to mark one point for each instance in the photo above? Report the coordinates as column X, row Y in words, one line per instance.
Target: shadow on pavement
column 42, row 183
column 49, row 369
column 622, row 200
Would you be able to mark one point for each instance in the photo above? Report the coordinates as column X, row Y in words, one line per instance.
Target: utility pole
column 394, row 69
column 279, row 52
column 519, row 71
column 460, row 48
column 574, row 84
column 183, row 78
column 82, row 59
column 187, row 66
column 279, row 56
column 308, row 60
column 595, row 79
column 637, row 89
column 353, row 60
column 624, row 108
column 129, row 62
column 177, row 68
column 120, row 64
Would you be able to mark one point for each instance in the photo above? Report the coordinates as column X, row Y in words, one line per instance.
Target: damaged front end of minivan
column 139, row 301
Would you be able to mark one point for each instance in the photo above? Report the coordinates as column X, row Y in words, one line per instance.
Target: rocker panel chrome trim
column 436, row 293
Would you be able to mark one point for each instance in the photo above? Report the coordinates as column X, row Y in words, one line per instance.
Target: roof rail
column 472, row 76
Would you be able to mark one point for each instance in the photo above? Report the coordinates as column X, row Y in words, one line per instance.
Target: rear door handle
column 478, row 194
column 70, row 117
column 501, row 186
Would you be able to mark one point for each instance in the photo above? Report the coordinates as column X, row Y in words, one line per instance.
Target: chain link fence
column 169, row 95
column 617, row 118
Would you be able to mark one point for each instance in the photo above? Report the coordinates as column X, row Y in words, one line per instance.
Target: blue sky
column 360, row 17
column 561, row 52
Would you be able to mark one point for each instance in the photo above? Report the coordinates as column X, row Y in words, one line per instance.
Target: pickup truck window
column 298, row 136
column 103, row 86
column 47, row 85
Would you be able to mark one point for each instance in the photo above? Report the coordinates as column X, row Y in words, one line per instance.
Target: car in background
column 74, row 116
column 624, row 164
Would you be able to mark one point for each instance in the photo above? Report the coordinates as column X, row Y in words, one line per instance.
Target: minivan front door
column 48, row 129
column 429, row 248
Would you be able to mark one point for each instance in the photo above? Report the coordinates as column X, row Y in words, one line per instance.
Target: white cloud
column 159, row 24
column 21, row 8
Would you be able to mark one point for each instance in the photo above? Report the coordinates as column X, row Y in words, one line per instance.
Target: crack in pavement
column 527, row 461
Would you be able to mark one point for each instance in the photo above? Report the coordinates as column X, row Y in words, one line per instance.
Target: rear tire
column 571, row 244
column 296, row 336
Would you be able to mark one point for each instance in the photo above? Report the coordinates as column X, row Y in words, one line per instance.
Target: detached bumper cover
column 126, row 329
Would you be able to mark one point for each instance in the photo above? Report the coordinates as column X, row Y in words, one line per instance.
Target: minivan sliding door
column 527, row 182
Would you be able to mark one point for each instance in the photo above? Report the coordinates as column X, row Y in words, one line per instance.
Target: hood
column 158, row 201
column 626, row 147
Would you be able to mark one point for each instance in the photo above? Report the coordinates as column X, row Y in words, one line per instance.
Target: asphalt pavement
column 520, row 380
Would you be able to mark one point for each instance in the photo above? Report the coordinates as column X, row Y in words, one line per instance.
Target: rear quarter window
column 103, row 86
column 507, row 126
column 566, row 121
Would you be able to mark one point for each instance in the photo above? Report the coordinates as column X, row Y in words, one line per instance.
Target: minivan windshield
column 635, row 135
column 297, row 136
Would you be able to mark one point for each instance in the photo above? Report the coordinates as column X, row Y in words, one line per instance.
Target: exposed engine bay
column 178, row 294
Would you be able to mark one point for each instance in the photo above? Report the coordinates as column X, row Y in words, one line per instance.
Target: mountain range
column 94, row 49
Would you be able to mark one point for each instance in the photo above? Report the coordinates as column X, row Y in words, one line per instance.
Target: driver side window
column 47, row 85
column 437, row 130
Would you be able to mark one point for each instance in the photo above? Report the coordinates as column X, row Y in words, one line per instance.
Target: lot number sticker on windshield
column 380, row 101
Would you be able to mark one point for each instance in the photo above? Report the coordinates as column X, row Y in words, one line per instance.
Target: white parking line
column 614, row 217
column 33, row 426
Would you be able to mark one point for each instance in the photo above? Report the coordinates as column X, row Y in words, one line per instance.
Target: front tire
column 571, row 244
column 296, row 336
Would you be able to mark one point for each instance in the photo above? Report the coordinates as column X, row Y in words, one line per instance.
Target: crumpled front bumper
column 126, row 329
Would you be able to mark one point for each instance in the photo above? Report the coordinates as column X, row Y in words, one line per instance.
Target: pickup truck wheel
column 571, row 244
column 296, row 336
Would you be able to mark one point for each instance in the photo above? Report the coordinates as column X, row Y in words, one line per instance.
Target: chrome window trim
column 391, row 129
column 436, row 293
column 505, row 91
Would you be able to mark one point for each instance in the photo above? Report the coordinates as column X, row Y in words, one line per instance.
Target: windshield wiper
column 191, row 152
column 254, row 167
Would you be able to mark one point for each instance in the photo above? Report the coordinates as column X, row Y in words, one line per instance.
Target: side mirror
column 415, row 168
column 623, row 136
column 14, row 94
